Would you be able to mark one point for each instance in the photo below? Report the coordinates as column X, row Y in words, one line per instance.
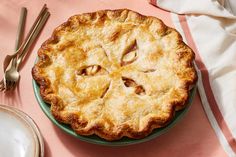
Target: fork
column 20, row 32
column 12, row 76
column 8, row 58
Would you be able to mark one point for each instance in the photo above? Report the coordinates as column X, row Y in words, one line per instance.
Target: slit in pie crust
column 115, row 73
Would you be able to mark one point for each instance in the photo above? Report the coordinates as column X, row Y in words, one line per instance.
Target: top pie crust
column 115, row 73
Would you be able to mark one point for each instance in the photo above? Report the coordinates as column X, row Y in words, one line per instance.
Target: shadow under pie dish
column 115, row 73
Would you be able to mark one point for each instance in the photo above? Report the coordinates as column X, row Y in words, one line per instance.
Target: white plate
column 36, row 130
column 17, row 136
column 34, row 127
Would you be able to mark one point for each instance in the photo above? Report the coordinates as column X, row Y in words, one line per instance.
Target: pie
column 115, row 73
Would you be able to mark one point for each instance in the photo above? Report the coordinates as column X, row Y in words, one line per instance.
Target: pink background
column 193, row 136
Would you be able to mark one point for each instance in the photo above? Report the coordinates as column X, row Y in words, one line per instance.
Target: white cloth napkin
column 209, row 27
column 220, row 8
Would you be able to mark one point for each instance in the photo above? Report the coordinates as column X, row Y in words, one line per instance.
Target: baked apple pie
column 115, row 73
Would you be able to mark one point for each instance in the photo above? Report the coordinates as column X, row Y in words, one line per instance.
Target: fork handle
column 35, row 32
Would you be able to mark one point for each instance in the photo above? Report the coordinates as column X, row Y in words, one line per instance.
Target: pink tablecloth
column 193, row 136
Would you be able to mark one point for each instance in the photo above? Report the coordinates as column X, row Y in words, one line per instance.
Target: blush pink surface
column 192, row 136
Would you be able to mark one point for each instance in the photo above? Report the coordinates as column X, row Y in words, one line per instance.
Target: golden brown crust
column 164, row 81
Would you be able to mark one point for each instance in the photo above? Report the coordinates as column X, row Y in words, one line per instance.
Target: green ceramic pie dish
column 122, row 142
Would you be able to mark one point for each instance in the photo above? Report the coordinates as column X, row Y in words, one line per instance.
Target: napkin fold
column 209, row 28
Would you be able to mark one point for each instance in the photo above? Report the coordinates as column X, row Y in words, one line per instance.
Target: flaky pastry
column 115, row 73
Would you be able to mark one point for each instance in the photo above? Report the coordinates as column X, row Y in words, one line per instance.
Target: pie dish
column 115, row 73
column 125, row 141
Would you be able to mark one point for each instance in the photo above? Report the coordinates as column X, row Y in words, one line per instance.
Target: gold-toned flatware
column 19, row 37
column 11, row 75
column 8, row 58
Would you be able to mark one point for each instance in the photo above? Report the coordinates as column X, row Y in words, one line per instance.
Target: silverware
column 19, row 37
column 27, row 43
column 11, row 75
